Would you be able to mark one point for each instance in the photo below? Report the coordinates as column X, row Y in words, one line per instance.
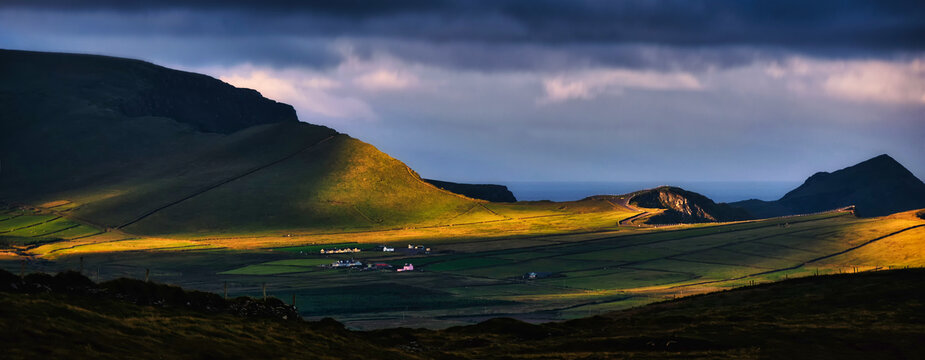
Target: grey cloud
column 718, row 133
column 885, row 24
column 473, row 35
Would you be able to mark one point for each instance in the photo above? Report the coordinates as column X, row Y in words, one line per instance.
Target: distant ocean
column 719, row 191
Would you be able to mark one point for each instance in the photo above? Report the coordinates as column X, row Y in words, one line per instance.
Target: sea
column 718, row 191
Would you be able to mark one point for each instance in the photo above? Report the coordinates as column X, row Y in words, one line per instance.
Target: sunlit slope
column 901, row 247
column 340, row 183
column 135, row 146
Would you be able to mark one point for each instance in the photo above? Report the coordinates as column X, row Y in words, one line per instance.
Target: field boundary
column 32, row 225
column 803, row 263
column 56, row 231
column 223, row 182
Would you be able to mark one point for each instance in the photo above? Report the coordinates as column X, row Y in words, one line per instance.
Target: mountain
column 488, row 192
column 876, row 187
column 129, row 144
column 866, row 315
column 682, row 206
column 87, row 84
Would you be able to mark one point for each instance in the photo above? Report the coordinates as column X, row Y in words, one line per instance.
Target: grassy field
column 475, row 271
column 867, row 315
column 24, row 229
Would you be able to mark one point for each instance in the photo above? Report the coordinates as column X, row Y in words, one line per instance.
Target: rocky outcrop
column 682, row 206
column 490, row 192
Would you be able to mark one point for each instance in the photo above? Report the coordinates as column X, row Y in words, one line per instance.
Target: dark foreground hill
column 129, row 144
column 682, row 206
column 488, row 192
column 848, row 316
column 876, row 187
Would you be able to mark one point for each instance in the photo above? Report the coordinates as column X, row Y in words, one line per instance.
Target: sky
column 495, row 91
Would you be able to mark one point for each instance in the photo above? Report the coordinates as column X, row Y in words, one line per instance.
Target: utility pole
column 147, row 274
column 264, row 291
column 226, row 290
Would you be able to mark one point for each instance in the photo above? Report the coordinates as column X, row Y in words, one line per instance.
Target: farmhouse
column 340, row 251
column 378, row 266
column 533, row 275
column 346, row 264
column 387, row 249
column 407, row 267
column 417, row 249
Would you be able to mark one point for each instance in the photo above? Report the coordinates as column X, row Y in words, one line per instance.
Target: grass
column 97, row 329
column 465, row 263
column 621, row 279
column 593, row 269
column 266, row 269
column 478, row 266
column 280, row 267
column 301, row 262
column 848, row 316
column 29, row 229
column 24, row 222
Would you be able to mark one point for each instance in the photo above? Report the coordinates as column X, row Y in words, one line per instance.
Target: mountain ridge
column 138, row 88
column 876, row 187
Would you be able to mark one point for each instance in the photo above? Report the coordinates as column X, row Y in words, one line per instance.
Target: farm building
column 407, row 267
column 346, row 263
column 533, row 275
column 417, row 249
column 378, row 266
column 340, row 251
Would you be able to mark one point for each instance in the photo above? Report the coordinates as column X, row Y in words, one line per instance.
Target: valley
column 125, row 177
column 511, row 180
column 588, row 264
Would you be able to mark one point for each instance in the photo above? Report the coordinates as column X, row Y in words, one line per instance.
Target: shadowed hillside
column 56, row 84
column 849, row 316
column 879, row 186
column 128, row 144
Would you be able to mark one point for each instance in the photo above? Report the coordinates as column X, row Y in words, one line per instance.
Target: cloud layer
column 548, row 90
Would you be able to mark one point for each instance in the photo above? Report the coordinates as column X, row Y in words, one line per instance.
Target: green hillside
column 341, row 183
column 137, row 146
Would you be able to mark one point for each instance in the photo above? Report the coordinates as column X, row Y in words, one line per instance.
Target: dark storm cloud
column 506, row 57
column 547, row 90
column 887, row 25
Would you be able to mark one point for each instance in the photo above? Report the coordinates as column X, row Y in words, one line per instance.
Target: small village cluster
column 357, row 264
column 412, row 249
column 352, row 264
column 340, row 251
